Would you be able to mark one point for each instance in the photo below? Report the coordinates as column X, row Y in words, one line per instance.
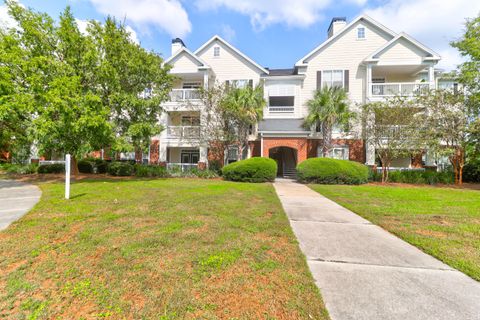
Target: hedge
column 51, row 168
column 19, row 168
column 120, row 169
column 332, row 171
column 85, row 166
column 416, row 177
column 150, row 171
column 251, row 170
column 471, row 171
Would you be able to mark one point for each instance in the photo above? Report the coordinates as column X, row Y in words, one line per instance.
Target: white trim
column 292, row 77
column 435, row 56
column 204, row 65
column 377, row 24
column 217, row 37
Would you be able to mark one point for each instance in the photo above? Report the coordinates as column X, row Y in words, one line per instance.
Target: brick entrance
column 299, row 144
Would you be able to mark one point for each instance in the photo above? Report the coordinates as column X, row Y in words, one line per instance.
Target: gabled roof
column 238, row 52
column 202, row 64
column 403, row 35
column 365, row 17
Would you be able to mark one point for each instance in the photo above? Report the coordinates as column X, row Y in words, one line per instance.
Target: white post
column 431, row 76
column 369, row 81
column 67, row 176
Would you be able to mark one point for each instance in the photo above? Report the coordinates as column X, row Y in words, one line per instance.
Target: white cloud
column 133, row 34
column 6, row 21
column 262, row 13
column 432, row 22
column 228, row 33
column 167, row 15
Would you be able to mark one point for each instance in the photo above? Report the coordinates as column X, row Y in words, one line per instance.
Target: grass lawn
column 155, row 249
column 443, row 222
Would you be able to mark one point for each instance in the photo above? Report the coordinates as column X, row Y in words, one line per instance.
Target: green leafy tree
column 327, row 109
column 55, row 82
column 244, row 109
column 132, row 82
column 393, row 128
column 448, row 127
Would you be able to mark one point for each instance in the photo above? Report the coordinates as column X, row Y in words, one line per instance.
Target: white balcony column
column 431, row 76
column 205, row 79
column 162, row 154
column 369, row 81
column 164, row 123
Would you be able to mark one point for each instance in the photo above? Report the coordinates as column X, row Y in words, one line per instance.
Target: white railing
column 398, row 89
column 184, row 94
column 51, row 162
column 183, row 132
column 181, row 166
column 275, row 109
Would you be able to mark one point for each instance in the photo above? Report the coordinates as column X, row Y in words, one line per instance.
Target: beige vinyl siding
column 401, row 52
column 184, row 63
column 345, row 53
column 229, row 65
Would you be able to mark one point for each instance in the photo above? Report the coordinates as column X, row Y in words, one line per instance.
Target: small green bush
column 51, row 168
column 19, row 168
column 85, row 166
column 332, row 171
column 150, row 171
column 471, row 171
column 251, row 170
column 416, row 177
column 120, row 169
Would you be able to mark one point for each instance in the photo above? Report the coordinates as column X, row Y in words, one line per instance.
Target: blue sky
column 275, row 33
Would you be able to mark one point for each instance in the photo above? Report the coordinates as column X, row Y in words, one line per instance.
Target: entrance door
column 286, row 159
column 190, row 156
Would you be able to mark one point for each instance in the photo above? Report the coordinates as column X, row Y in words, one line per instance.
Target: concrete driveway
column 16, row 199
column 364, row 272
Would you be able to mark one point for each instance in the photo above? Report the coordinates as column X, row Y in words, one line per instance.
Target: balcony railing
column 398, row 89
column 183, row 132
column 184, row 94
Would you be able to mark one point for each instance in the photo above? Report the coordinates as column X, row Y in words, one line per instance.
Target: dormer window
column 360, row 33
column 216, row 51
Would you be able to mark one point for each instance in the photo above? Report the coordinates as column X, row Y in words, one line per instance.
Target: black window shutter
column 227, row 84
column 319, row 80
column 250, row 83
column 346, row 80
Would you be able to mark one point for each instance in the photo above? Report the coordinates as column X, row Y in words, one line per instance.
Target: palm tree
column 328, row 108
column 245, row 108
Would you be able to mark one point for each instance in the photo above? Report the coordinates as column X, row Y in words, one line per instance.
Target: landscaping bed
column 443, row 222
column 155, row 249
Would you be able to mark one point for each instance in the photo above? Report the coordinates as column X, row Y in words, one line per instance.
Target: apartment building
column 370, row 61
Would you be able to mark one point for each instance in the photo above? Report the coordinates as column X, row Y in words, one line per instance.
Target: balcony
column 184, row 95
column 183, row 132
column 281, row 109
column 384, row 90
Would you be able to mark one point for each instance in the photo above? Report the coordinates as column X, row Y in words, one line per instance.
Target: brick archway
column 299, row 144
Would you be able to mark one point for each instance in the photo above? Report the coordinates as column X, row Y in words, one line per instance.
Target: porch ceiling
column 400, row 70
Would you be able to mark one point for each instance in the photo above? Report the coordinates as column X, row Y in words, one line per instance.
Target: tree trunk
column 74, row 166
column 138, row 154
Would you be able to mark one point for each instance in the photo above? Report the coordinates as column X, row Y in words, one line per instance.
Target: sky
column 274, row 33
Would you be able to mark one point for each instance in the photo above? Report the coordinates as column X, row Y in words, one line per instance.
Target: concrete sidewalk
column 364, row 272
column 16, row 199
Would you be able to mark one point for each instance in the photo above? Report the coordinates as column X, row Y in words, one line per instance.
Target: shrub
column 332, row 171
column 19, row 168
column 120, row 169
column 471, row 171
column 251, row 170
column 416, row 177
column 85, row 166
column 51, row 168
column 150, row 171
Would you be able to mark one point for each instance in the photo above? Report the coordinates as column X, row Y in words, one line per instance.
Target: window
column 337, row 152
column 240, row 83
column 361, row 33
column 216, row 51
column 332, row 78
column 378, row 80
column 190, row 121
column 190, row 156
column 232, row 154
column 281, row 104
